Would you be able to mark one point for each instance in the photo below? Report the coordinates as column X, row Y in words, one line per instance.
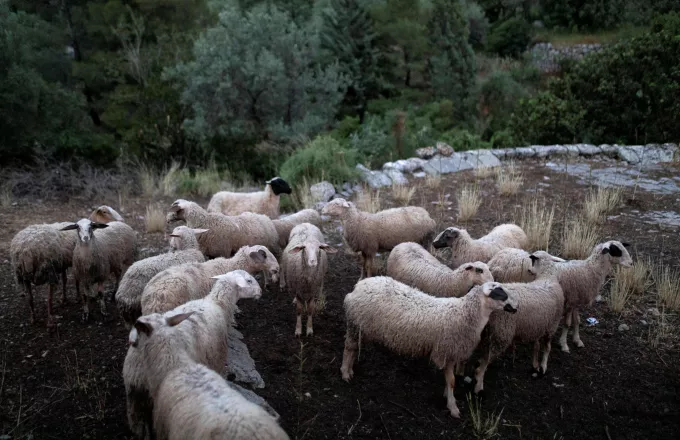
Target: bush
column 477, row 23
column 510, row 37
column 463, row 140
column 321, row 159
column 503, row 139
column 545, row 119
column 499, row 95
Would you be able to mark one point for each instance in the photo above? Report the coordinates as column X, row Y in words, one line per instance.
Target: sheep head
column 447, row 238
column 177, row 210
column 312, row 251
column 262, row 259
column 239, row 280
column 182, row 236
column 149, row 325
column 495, row 297
column 336, row 207
column 617, row 252
column 477, row 273
column 279, row 186
column 541, row 261
column 86, row 228
column 105, row 214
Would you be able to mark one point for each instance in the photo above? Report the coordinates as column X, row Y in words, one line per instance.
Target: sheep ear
column 133, row 337
column 241, row 282
column 625, row 244
column 605, row 250
column 345, row 204
column 615, row 251
column 97, row 225
column 174, row 235
column 327, row 248
column 296, row 249
column 257, row 256
column 479, row 270
column 69, row 227
column 200, row 231
column 534, row 259
column 175, row 206
column 143, row 327
column 498, row 294
column 469, row 267
column 174, row 320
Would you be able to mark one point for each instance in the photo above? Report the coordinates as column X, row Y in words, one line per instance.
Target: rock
column 588, row 150
column 654, row 311
column 347, row 187
column 405, row 165
column 624, row 327
column 444, row 149
column 500, row 153
column 426, row 152
column 572, row 150
column 375, row 179
column 322, row 191
column 240, row 364
column 251, row 396
column 482, row 158
column 444, row 165
column 320, row 205
column 397, row 177
column 525, row 152
column 420, row 174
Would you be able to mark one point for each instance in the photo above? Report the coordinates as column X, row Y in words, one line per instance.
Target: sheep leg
column 576, row 338
column 369, row 266
column 480, row 371
column 460, row 368
column 310, row 311
column 102, row 302
column 112, row 295
column 29, row 294
column 298, row 311
column 534, row 360
column 63, row 285
column 565, row 330
column 86, row 305
column 349, row 355
column 450, row 384
column 78, row 290
column 362, row 261
column 50, row 318
column 547, row 345
column 282, row 280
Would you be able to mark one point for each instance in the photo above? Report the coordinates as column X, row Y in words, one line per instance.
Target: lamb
column 368, row 233
column 204, row 335
column 541, row 303
column 305, row 263
column 190, row 399
column 129, row 294
column 98, row 256
column 105, row 214
column 226, row 234
column 414, row 323
column 285, row 225
column 464, row 249
column 261, row 202
column 178, row 284
column 39, row 254
column 411, row 264
column 581, row 281
column 511, row 265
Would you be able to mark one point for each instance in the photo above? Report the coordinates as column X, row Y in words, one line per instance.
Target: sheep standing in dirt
column 204, row 336
column 581, row 281
column 411, row 264
column 540, row 308
column 369, row 233
column 285, row 225
column 464, row 249
column 261, row 202
column 98, row 256
column 414, row 323
column 39, row 254
column 105, row 214
column 129, row 293
column 178, row 284
column 226, row 234
column 304, row 265
column 511, row 265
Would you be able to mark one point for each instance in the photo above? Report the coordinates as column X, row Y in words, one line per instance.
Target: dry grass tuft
column 169, row 180
column 661, row 330
column 621, row 290
column 6, row 195
column 302, row 196
column 433, row 181
column 485, row 172
column 469, row 201
column 578, row 239
column 484, row 424
column 509, row 179
column 637, row 277
column 537, row 220
column 155, row 218
column 148, row 180
column 368, row 200
column 600, row 202
column 207, row 181
column 403, row 193
column 668, row 286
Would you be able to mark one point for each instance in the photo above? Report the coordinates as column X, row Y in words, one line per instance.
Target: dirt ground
column 620, row 386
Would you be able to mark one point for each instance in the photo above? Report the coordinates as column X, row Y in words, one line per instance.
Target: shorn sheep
column 261, row 202
column 540, row 307
column 129, row 293
column 369, row 233
column 226, row 234
column 581, row 281
column 178, row 284
column 205, row 336
column 414, row 323
column 511, row 265
column 303, row 266
column 98, row 256
column 285, row 225
column 39, row 254
column 411, row 264
column 464, row 249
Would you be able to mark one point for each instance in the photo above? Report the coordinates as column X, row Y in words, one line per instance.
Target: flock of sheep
column 179, row 306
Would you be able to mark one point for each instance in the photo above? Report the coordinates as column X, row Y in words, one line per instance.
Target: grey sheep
column 464, row 249
column 261, row 202
column 286, row 224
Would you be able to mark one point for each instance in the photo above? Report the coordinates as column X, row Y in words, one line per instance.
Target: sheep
column 511, row 265
column 38, row 255
column 411, row 264
column 414, row 323
column 227, row 234
column 189, row 399
column 261, row 202
column 541, row 304
column 285, row 225
column 464, row 249
column 581, row 281
column 368, row 233
column 129, row 293
column 97, row 256
column 304, row 265
column 178, row 284
column 205, row 335
column 105, row 214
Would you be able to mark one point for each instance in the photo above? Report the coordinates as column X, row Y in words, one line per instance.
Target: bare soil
column 620, row 386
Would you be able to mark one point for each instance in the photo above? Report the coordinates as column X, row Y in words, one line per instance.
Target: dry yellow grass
column 484, row 424
column 469, row 201
column 599, row 202
column 302, row 196
column 509, row 179
column 668, row 286
column 368, row 200
column 637, row 277
column 433, row 181
column 155, row 218
column 621, row 290
column 578, row 239
column 148, row 180
column 485, row 172
column 403, row 193
column 536, row 219
column 6, row 196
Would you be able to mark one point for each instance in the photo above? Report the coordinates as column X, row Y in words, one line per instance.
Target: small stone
column 654, row 312
column 308, row 395
column 624, row 328
column 444, row 149
column 419, row 174
column 643, row 322
column 322, row 191
column 467, row 379
column 426, row 152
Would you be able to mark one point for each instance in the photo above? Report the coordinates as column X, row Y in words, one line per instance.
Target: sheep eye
column 478, row 270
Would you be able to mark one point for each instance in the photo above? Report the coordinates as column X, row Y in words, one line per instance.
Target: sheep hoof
column 579, row 344
column 51, row 323
column 310, row 332
column 565, row 349
column 536, row 373
column 455, row 412
column 347, row 374
column 85, row 317
column 298, row 333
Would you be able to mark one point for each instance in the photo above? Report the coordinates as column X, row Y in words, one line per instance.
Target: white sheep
column 411, row 264
column 511, row 265
column 105, row 214
column 581, row 281
column 261, row 202
column 286, row 224
column 129, row 293
column 98, row 256
column 204, row 336
column 540, row 308
column 368, row 233
column 226, row 234
column 303, row 266
column 464, row 249
column 414, row 323
column 178, row 284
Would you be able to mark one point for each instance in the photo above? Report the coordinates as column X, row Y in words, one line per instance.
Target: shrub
column 503, row 139
column 477, row 22
column 321, row 159
column 546, row 119
column 463, row 140
column 499, row 95
column 346, row 127
column 510, row 37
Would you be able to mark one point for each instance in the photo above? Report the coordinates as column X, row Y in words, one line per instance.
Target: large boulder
column 374, row 179
column 322, row 191
column 240, row 364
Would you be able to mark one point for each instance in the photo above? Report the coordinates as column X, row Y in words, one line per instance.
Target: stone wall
column 546, row 57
